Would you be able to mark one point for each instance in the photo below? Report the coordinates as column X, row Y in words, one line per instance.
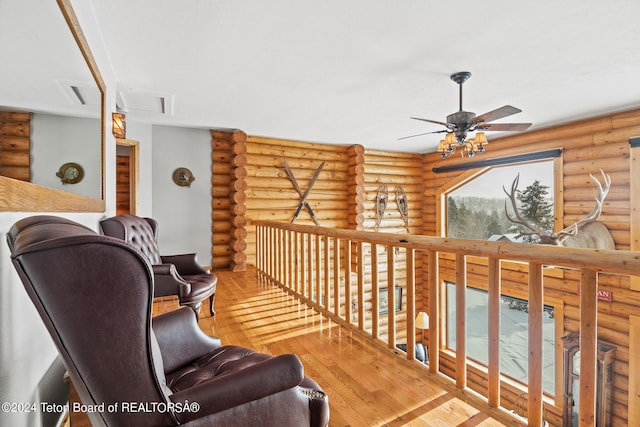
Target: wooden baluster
column 302, row 276
column 411, row 304
column 535, row 344
column 310, row 275
column 336, row 277
column 434, row 312
column 493, row 390
column 360, row 285
column 375, row 293
column 391, row 296
column 327, row 270
column 347, row 281
column 461, row 321
column 588, row 346
column 318, row 269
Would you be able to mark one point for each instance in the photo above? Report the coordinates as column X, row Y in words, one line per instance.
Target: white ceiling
column 354, row 71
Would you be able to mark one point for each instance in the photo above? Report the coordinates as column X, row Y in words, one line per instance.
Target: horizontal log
column 221, row 180
column 238, row 223
column 321, row 186
column 356, row 170
column 221, row 205
column 221, row 251
column 290, row 145
column 300, row 174
column 239, row 160
column 373, row 155
column 221, row 168
column 295, row 163
column 15, row 143
column 239, row 172
column 613, row 137
column 292, row 204
column 223, row 157
column 20, row 173
column 14, row 116
column 221, row 192
column 221, row 227
column 239, row 208
column 356, row 149
column 392, row 179
column 220, row 262
column 15, row 158
column 389, row 169
column 593, row 166
column 626, row 119
column 15, row 129
column 572, row 182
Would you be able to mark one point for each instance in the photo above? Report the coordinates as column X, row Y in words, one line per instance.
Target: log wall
column 15, row 145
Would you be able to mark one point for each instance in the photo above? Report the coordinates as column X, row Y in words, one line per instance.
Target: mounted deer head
column 587, row 232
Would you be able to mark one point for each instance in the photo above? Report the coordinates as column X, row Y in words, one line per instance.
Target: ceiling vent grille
column 80, row 93
column 144, row 102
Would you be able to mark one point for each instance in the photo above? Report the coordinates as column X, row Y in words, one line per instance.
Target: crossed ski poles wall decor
column 305, row 195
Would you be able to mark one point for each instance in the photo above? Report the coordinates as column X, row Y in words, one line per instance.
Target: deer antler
column 572, row 230
column 518, row 218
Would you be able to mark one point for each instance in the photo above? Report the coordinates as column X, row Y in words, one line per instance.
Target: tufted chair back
column 140, row 232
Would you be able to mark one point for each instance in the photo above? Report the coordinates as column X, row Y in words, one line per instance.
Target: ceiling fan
column 459, row 124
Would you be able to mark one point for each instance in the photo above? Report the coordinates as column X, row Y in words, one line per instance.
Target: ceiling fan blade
column 432, row 121
column 420, row 134
column 499, row 113
column 504, row 126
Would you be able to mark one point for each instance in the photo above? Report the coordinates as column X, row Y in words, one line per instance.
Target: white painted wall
column 56, row 140
column 183, row 213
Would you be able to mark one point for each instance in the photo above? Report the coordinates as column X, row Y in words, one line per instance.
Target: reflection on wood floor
column 367, row 385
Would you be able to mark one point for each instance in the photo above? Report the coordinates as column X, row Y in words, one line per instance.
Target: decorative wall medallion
column 183, row 177
column 70, row 173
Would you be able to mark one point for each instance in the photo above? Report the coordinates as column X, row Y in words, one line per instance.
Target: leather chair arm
column 180, row 338
column 167, row 281
column 186, row 264
column 242, row 386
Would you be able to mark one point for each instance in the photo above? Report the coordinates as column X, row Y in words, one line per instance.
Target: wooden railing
column 341, row 273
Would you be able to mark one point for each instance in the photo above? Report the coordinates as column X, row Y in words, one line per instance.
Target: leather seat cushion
column 221, row 361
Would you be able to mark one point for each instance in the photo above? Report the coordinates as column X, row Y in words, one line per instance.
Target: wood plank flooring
column 367, row 384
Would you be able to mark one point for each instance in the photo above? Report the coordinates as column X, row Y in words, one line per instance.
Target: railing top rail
column 611, row 261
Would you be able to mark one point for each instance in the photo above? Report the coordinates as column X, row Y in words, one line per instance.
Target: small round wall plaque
column 70, row 173
column 183, row 177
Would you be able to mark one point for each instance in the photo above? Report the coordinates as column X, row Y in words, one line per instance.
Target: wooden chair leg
column 213, row 313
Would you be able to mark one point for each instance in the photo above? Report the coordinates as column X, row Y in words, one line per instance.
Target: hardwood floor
column 367, row 384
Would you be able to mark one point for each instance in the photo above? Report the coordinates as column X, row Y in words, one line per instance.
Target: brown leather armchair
column 94, row 294
column 179, row 275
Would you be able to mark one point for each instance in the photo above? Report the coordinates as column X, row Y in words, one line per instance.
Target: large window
column 476, row 210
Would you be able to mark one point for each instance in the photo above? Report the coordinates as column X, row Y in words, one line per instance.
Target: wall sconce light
column 119, row 125
column 422, row 322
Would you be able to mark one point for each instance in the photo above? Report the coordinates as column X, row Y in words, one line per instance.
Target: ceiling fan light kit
column 460, row 123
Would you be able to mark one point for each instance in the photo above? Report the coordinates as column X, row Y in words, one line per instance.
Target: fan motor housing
column 460, row 119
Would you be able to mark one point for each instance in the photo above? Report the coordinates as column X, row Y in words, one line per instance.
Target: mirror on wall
column 49, row 77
